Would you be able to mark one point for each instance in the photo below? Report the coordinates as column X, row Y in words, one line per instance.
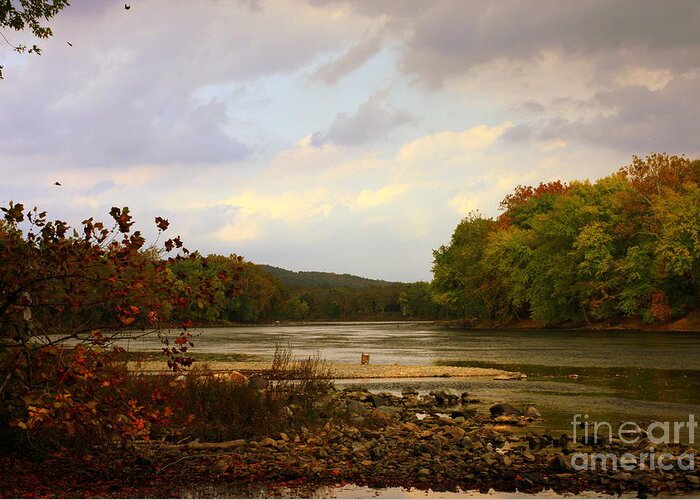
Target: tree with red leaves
column 65, row 296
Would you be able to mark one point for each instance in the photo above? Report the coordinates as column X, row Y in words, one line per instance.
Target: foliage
column 627, row 245
column 317, row 279
column 20, row 15
column 65, row 296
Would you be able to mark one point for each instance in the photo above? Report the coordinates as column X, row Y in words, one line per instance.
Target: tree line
column 627, row 245
column 272, row 294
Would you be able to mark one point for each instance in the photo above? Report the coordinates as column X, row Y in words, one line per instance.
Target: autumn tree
column 624, row 246
column 67, row 295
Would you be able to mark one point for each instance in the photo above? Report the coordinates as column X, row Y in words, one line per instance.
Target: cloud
column 240, row 230
column 455, row 37
column 288, row 206
column 128, row 89
column 448, row 148
column 372, row 121
column 352, row 59
column 382, row 196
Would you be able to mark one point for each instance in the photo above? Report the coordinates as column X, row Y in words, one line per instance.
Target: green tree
column 21, row 15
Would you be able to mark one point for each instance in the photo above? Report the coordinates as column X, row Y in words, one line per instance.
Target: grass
column 211, row 408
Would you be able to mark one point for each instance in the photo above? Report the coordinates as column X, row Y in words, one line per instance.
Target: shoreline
column 689, row 323
column 432, row 443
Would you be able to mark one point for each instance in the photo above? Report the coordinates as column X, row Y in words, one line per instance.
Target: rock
column 268, row 442
column 355, row 407
column 388, row 410
column 456, row 432
column 357, row 421
column 377, row 400
column 463, row 412
column 508, row 419
column 409, row 391
column 444, row 397
column 284, row 436
column 532, row 412
column 377, row 452
column 693, row 479
column 423, row 472
column 560, row 463
column 503, row 409
column 358, row 446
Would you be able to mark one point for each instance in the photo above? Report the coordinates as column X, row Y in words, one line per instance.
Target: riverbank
column 687, row 323
column 434, row 442
column 338, row 370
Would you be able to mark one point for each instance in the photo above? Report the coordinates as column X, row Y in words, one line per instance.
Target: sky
column 338, row 136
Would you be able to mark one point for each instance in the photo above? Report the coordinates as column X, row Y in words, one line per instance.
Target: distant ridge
column 318, row 279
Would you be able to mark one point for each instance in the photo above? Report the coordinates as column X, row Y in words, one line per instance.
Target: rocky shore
column 431, row 441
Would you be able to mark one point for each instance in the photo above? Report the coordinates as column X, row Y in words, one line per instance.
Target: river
column 621, row 375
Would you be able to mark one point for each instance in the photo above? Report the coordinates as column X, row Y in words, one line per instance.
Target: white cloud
column 381, row 196
column 449, row 148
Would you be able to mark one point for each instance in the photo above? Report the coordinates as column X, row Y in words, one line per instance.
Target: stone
column 456, row 432
column 560, row 463
column 463, row 412
column 355, row 407
column 268, row 442
column 423, row 471
column 377, row 400
column 409, row 391
column 503, row 409
column 388, row 410
column 532, row 412
column 507, row 419
column 284, row 436
column 358, row 446
column 444, row 397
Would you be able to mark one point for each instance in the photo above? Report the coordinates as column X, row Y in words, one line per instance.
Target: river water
column 622, row 375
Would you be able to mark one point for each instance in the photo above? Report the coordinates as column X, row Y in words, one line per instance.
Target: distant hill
column 317, row 279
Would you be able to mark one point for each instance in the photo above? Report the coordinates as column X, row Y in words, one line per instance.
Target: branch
column 18, row 48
